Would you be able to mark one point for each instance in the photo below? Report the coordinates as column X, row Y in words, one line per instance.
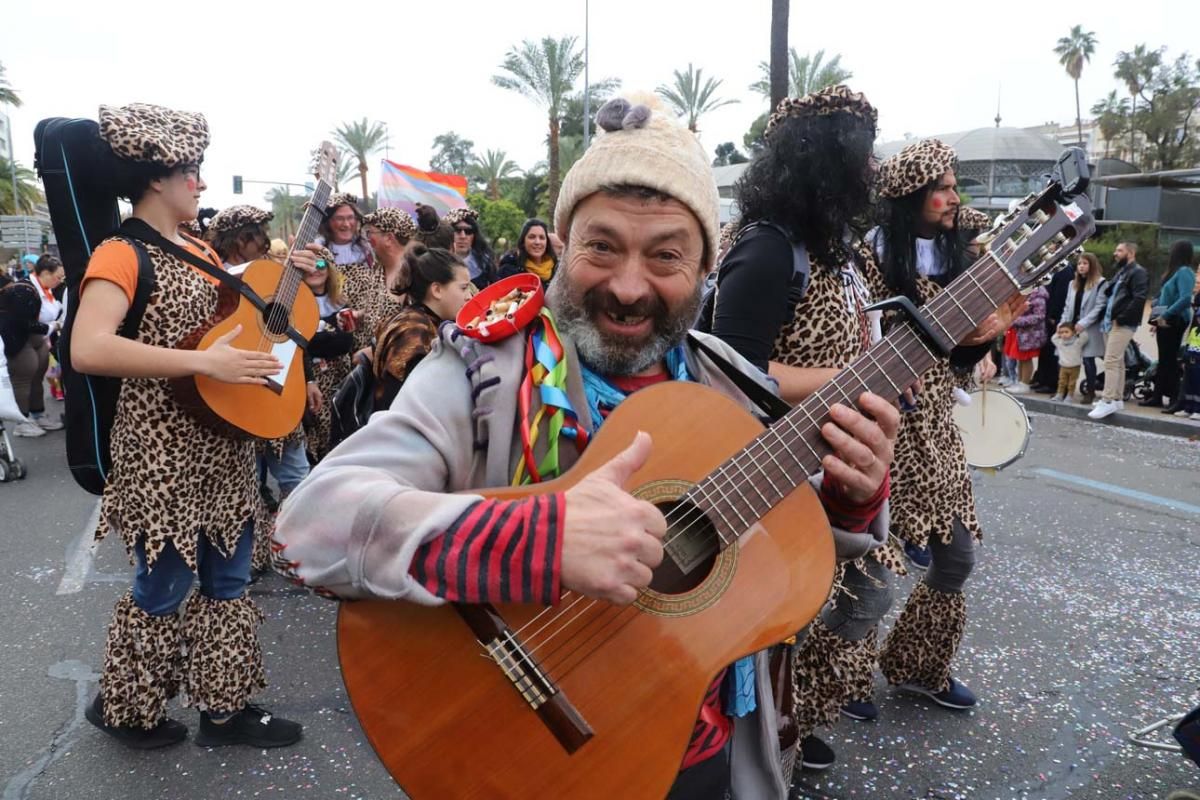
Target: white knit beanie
column 643, row 146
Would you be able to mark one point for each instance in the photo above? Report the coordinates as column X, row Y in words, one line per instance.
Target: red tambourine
column 474, row 320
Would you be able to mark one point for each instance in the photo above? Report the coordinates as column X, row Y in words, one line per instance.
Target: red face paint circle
column 192, row 184
column 938, row 204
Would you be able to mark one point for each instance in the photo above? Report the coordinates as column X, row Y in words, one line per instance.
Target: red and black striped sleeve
column 849, row 516
column 497, row 551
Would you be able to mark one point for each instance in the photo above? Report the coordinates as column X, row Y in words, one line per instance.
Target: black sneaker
column 252, row 725
column 954, row 696
column 861, row 710
column 164, row 734
column 815, row 754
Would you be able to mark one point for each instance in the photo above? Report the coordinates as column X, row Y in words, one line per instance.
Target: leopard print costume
column 829, row 672
column 921, row 646
column 173, row 477
column 329, row 374
column 365, row 290
column 145, row 132
column 931, row 485
column 143, row 665
column 224, row 659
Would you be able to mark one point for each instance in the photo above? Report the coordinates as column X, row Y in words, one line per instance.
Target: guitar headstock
column 1045, row 228
column 324, row 164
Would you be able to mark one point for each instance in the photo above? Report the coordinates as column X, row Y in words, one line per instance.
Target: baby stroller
column 11, row 468
column 1139, row 375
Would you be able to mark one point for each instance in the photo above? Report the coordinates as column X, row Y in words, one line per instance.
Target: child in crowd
column 1069, row 346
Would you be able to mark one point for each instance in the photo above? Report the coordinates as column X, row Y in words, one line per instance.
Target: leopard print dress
column 931, row 485
column 172, row 478
column 365, row 289
column 823, row 335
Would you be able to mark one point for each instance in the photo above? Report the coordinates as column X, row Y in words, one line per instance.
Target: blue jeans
column 288, row 470
column 162, row 589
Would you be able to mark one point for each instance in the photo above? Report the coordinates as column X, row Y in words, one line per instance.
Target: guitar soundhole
column 276, row 318
column 691, row 547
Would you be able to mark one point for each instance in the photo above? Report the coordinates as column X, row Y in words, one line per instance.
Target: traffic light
column 237, row 184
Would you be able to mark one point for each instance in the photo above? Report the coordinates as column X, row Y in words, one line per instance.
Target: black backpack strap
column 135, row 228
column 141, row 294
column 768, row 403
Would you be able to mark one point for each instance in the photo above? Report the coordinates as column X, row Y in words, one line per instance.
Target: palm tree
column 287, row 208
column 28, row 194
column 1136, row 69
column 692, row 96
column 777, row 71
column 347, row 168
column 544, row 72
column 1110, row 116
column 1073, row 50
column 493, row 168
column 452, row 154
column 808, row 73
column 361, row 139
column 8, row 95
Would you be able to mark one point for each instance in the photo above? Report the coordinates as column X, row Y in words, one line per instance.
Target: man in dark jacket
column 1127, row 293
column 1046, row 377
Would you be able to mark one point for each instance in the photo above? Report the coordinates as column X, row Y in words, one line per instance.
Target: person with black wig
column 790, row 298
column 472, row 246
column 534, row 253
column 919, row 249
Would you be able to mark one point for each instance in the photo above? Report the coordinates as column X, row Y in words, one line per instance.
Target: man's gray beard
column 603, row 355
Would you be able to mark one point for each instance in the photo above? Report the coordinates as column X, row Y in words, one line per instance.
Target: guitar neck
column 310, row 224
column 754, row 480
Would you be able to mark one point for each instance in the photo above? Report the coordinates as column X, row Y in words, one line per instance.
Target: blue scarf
column 601, row 395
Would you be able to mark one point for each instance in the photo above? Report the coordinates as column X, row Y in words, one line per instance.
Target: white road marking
column 79, row 557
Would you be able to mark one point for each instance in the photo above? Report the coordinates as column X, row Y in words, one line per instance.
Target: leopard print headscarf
column 234, row 217
column 145, row 132
column 392, row 220
column 457, row 215
column 915, row 166
column 341, row 199
column 830, row 100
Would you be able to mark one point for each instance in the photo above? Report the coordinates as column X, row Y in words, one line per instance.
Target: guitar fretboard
column 785, row 455
column 310, row 224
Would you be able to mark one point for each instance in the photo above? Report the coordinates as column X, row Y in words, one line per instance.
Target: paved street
column 1084, row 625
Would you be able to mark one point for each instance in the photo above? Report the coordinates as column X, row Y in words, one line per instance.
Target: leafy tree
column 807, row 74
column 1134, row 70
column 8, row 95
column 572, row 118
column 288, row 209
column 347, row 168
column 727, row 153
column 452, row 154
column 1112, row 115
column 1073, row 50
column 1170, row 98
column 497, row 218
column 545, row 72
column 692, row 96
column 28, row 194
column 493, row 168
column 753, row 140
column 361, row 139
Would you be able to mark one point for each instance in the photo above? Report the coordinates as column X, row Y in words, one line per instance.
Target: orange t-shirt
column 116, row 261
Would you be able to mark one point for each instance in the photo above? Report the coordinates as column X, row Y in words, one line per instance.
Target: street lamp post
column 587, row 113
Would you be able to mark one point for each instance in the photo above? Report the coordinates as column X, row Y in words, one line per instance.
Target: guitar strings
column 942, row 302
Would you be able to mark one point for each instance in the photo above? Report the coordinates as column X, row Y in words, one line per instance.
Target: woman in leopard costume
column 182, row 497
column 800, row 202
column 919, row 249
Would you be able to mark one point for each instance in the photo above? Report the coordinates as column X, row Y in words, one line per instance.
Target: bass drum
column 995, row 428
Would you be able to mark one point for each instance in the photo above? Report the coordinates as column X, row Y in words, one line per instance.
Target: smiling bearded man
column 394, row 511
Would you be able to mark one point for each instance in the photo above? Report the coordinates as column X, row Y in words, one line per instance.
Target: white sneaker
column 28, row 429
column 47, row 424
column 1182, row 414
column 1058, row 398
column 1018, row 388
column 1120, row 405
column 1195, row 416
column 1106, row 409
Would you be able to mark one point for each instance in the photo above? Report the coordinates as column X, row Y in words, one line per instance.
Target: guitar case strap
column 768, row 403
column 135, row 228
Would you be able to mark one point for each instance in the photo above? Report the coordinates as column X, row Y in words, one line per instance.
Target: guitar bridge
column 522, row 670
column 537, row 689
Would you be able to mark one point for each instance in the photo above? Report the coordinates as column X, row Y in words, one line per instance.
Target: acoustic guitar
column 587, row 700
column 278, row 314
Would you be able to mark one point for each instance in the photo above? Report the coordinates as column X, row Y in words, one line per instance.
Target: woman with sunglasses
column 534, row 253
column 329, row 349
column 472, row 247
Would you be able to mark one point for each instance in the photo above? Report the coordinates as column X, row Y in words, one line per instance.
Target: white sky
column 274, row 79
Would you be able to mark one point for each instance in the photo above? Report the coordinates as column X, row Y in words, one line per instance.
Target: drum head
column 995, row 428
